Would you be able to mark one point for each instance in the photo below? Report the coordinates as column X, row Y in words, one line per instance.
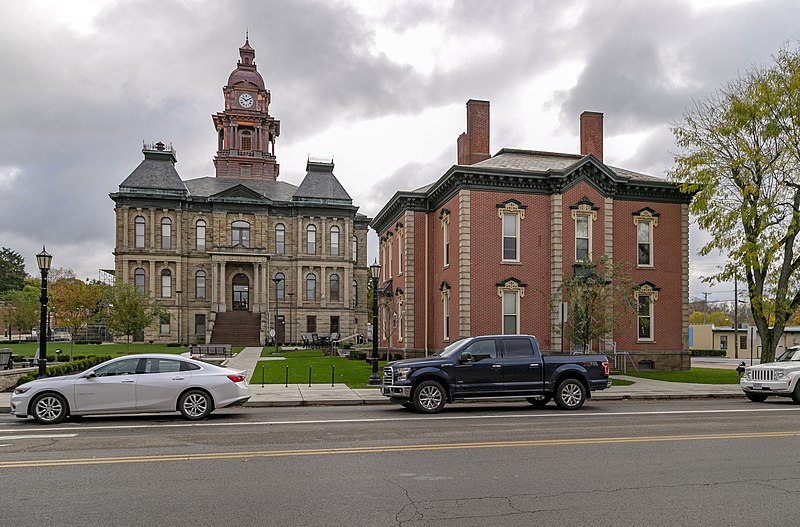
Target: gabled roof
column 206, row 187
column 321, row 186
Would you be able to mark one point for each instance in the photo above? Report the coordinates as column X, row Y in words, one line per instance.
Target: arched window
column 355, row 248
column 138, row 223
column 334, row 287
column 311, row 239
column 247, row 140
column 200, row 284
column 200, row 235
column 240, row 233
column 280, row 239
column 166, row 283
column 311, row 287
column 280, row 287
column 138, row 280
column 166, row 233
column 334, row 241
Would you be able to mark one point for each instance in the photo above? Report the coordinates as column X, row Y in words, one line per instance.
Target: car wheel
column 570, row 394
column 429, row 397
column 759, row 397
column 796, row 393
column 539, row 400
column 195, row 404
column 49, row 408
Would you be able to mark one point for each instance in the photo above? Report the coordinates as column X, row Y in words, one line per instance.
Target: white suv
column 774, row 378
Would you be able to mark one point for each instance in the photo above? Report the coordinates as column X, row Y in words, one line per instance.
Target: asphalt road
column 687, row 462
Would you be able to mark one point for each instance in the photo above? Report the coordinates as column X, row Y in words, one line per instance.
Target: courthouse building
column 225, row 254
column 486, row 247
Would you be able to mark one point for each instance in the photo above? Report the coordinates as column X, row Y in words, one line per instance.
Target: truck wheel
column 429, row 397
column 49, row 408
column 539, row 400
column 570, row 394
column 759, row 397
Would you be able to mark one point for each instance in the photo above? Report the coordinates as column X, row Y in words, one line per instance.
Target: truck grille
column 387, row 376
column 762, row 375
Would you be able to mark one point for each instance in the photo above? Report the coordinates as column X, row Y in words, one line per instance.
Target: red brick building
column 485, row 249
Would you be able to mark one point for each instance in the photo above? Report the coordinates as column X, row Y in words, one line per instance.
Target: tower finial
column 247, row 35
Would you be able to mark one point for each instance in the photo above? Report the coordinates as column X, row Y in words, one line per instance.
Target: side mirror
column 89, row 375
column 465, row 357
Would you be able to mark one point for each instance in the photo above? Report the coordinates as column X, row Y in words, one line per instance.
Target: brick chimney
column 473, row 146
column 592, row 134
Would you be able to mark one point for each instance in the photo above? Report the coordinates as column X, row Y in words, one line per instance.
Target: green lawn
column 353, row 373
column 27, row 349
column 695, row 375
column 620, row 382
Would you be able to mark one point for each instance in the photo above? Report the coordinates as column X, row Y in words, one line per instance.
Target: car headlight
column 780, row 375
column 402, row 374
column 21, row 390
column 748, row 375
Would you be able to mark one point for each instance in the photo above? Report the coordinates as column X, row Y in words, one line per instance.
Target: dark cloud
column 75, row 106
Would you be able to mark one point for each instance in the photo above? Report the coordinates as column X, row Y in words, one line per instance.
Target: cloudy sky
column 380, row 86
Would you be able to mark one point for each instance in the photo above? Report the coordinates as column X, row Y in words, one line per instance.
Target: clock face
column 245, row 100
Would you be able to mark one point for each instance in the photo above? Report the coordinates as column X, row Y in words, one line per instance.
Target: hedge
column 708, row 353
column 65, row 368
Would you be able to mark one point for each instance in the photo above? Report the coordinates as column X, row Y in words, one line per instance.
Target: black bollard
column 333, row 373
column 287, row 376
column 309, row 375
column 262, row 375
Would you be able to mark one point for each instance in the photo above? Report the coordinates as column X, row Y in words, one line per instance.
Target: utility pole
column 735, row 316
column 705, row 306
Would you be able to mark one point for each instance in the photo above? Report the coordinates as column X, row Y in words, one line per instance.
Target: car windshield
column 452, row 349
column 790, row 355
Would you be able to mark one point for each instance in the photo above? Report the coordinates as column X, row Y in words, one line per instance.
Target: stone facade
column 217, row 244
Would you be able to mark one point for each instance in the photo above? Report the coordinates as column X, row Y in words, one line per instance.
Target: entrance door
column 280, row 329
column 241, row 293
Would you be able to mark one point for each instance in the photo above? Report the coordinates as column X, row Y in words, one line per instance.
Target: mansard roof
column 321, row 186
column 156, row 172
column 531, row 172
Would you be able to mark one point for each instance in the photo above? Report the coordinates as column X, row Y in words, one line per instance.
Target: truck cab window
column 517, row 348
column 482, row 349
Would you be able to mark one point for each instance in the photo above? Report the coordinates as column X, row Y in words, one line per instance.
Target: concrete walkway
column 327, row 395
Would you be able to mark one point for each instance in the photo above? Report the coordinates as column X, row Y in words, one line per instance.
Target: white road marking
column 394, row 419
column 36, row 436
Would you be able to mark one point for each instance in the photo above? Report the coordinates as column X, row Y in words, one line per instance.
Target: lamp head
column 375, row 269
column 43, row 260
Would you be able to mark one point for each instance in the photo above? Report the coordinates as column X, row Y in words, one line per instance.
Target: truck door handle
column 534, row 365
column 497, row 366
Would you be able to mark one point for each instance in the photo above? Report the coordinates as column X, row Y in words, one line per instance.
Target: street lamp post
column 291, row 305
column 277, row 281
column 374, row 378
column 43, row 260
column 179, row 317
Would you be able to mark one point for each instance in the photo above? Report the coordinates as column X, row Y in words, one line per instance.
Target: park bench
column 5, row 359
column 211, row 349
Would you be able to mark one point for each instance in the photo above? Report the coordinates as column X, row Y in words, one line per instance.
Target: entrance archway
column 241, row 293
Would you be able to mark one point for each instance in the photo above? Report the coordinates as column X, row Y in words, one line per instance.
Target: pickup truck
column 781, row 378
column 497, row 366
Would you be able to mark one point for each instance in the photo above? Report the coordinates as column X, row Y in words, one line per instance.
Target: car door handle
column 178, row 378
column 497, row 365
column 128, row 381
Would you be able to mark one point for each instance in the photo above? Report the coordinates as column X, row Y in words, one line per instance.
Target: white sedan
column 133, row 384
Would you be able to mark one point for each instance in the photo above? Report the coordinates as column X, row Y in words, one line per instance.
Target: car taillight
column 605, row 368
column 240, row 378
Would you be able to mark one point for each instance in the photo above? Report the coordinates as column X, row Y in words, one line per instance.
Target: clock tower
column 246, row 132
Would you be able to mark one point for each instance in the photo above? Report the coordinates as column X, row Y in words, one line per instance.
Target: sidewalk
column 341, row 395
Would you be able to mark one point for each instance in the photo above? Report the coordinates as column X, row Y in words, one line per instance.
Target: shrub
column 346, row 345
column 66, row 368
column 708, row 353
